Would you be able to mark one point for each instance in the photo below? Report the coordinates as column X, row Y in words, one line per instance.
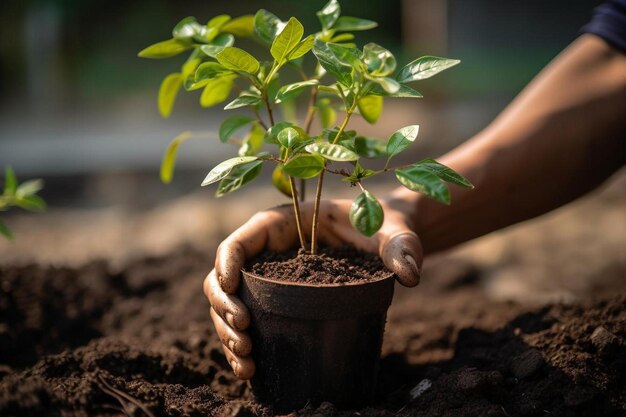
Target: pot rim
column 389, row 275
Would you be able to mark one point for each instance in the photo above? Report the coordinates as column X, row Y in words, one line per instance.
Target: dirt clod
column 527, row 364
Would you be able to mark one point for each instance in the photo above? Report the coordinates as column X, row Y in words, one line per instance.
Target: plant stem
column 344, row 124
column 258, row 116
column 386, row 169
column 270, row 75
column 268, row 108
column 307, row 123
column 296, row 209
column 320, row 183
column 311, row 113
column 292, row 183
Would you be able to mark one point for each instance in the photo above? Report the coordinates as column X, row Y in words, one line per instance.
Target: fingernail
column 233, row 364
column 413, row 265
column 231, row 345
column 230, row 319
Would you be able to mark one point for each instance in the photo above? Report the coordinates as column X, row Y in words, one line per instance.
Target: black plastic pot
column 314, row 343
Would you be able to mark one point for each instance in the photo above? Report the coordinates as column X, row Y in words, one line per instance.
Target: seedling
column 345, row 80
column 19, row 195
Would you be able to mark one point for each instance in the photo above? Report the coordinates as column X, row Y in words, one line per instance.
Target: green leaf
column 329, row 14
column 332, row 152
column 370, row 147
column 445, row 173
column 244, row 99
column 165, row 49
column 287, row 40
column 209, row 70
column 401, row 139
column 281, row 181
column 424, row 67
column 358, row 174
column 169, row 157
column 266, row 25
column 218, row 21
column 350, row 24
column 327, row 59
column 390, row 85
column 289, row 137
column 344, row 37
column 239, row 177
column 347, row 55
column 213, row 27
column 187, row 28
column 271, row 136
column 224, row 168
column 216, row 46
column 253, row 142
column 5, row 231
column 190, row 85
column 29, row 188
column 31, row 203
column 240, row 26
column 168, row 92
column 370, row 107
column 10, row 181
column 231, row 125
column 403, row 91
column 304, row 166
column 302, row 48
column 379, row 61
column 424, row 181
column 327, row 114
column 331, row 134
column 290, row 91
column 300, row 146
column 191, row 64
column 237, row 60
column 366, row 214
column 216, row 90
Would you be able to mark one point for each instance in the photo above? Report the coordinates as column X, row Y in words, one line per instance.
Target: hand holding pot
column 275, row 230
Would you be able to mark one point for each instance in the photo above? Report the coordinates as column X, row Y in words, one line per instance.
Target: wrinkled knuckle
column 260, row 216
column 227, row 284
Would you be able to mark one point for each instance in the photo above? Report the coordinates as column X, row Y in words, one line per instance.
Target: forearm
column 561, row 137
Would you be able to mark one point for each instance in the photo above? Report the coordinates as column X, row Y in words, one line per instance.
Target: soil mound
column 138, row 342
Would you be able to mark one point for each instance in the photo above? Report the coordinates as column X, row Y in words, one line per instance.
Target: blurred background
column 78, row 109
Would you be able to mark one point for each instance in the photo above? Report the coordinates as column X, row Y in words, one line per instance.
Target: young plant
column 346, row 79
column 19, row 195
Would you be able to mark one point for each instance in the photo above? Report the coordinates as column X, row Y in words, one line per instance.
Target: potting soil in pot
column 329, row 266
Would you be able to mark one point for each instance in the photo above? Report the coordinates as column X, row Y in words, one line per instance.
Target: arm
column 561, row 137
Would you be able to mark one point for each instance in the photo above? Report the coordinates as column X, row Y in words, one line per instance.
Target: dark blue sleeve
column 609, row 23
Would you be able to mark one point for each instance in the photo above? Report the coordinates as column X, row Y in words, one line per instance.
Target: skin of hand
column 275, row 230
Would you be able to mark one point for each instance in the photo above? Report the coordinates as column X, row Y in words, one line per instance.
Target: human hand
column 275, row 230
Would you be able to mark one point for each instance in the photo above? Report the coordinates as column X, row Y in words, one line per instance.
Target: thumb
column 401, row 252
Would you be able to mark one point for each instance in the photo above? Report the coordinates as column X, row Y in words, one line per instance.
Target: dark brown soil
column 329, row 266
column 138, row 342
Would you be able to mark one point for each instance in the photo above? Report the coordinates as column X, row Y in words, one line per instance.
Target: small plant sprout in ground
column 19, row 195
column 345, row 79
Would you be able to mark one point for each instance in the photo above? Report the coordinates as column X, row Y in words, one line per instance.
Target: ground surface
column 138, row 342
column 525, row 322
